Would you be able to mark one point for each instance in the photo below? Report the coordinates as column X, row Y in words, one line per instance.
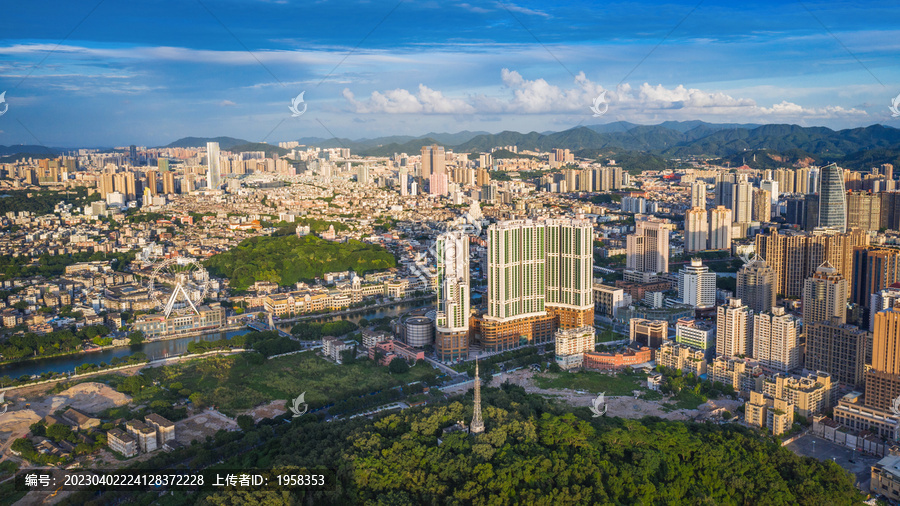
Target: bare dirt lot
column 270, row 410
column 89, row 398
column 203, row 424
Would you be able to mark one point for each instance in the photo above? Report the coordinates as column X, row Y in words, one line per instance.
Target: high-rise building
column 213, row 169
column 433, row 160
column 403, row 176
column 650, row 333
column 162, row 164
column 168, row 180
column 796, row 211
column 756, row 285
column 362, row 174
column 775, row 342
column 569, row 272
column 795, row 255
column 438, row 183
column 539, row 279
column 725, row 190
column 695, row 230
column 696, row 285
column 720, row 223
column 812, row 211
column 890, row 210
column 773, row 188
column 864, row 210
column 152, row 179
column 647, row 250
column 874, row 269
column 743, row 201
column 453, row 295
column 801, row 181
column 733, row 329
column 836, row 348
column 832, row 198
column 883, row 379
column 825, row 296
column 762, row 206
column 106, row 184
column 698, row 195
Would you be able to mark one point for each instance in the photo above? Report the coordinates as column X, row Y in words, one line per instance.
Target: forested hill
column 532, row 452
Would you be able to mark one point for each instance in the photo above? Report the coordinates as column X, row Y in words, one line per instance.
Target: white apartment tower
column 647, row 250
column 775, row 342
column 453, row 296
column 696, row 285
column 696, row 230
column 720, row 221
column 213, row 169
column 698, row 195
column 733, row 333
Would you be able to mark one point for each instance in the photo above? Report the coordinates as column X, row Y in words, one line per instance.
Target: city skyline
column 491, row 67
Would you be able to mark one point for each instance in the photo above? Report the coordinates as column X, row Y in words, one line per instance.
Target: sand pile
column 17, row 422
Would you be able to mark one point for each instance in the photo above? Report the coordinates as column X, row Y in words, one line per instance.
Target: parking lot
column 822, row 449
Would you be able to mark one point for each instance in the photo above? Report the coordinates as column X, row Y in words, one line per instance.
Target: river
column 158, row 349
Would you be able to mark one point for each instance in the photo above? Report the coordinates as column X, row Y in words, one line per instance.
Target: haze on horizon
column 149, row 72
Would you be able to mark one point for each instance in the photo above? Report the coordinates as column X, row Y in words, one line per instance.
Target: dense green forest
column 288, row 259
column 54, row 265
column 43, row 202
column 533, row 452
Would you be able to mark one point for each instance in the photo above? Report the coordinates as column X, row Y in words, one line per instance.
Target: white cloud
column 400, row 101
column 226, row 103
column 522, row 10
column 537, row 96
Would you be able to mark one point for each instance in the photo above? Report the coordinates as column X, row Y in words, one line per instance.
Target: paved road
column 822, row 449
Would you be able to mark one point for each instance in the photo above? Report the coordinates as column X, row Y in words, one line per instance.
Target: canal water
column 163, row 349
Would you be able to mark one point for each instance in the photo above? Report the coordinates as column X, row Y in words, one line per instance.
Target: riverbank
column 99, row 349
column 151, row 363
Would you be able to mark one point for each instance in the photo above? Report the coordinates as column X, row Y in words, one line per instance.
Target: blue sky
column 149, row 72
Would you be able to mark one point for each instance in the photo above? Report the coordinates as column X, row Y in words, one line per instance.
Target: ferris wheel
column 189, row 284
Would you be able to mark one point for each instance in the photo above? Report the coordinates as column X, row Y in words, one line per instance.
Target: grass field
column 231, row 383
column 593, row 382
column 605, row 334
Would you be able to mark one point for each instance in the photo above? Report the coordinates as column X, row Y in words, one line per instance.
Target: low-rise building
column 571, row 344
column 333, row 348
column 810, row 395
column 886, row 478
column 743, row 374
column 775, row 414
column 628, row 357
column 144, row 434
column 122, row 442
column 853, row 413
column 165, row 429
column 680, row 356
column 391, row 349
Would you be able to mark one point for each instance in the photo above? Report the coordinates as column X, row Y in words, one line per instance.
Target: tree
column 245, row 422
column 38, row 429
column 59, row 432
column 398, row 366
column 21, row 305
column 136, row 337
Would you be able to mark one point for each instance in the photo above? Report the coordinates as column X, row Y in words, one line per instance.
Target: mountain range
column 759, row 146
